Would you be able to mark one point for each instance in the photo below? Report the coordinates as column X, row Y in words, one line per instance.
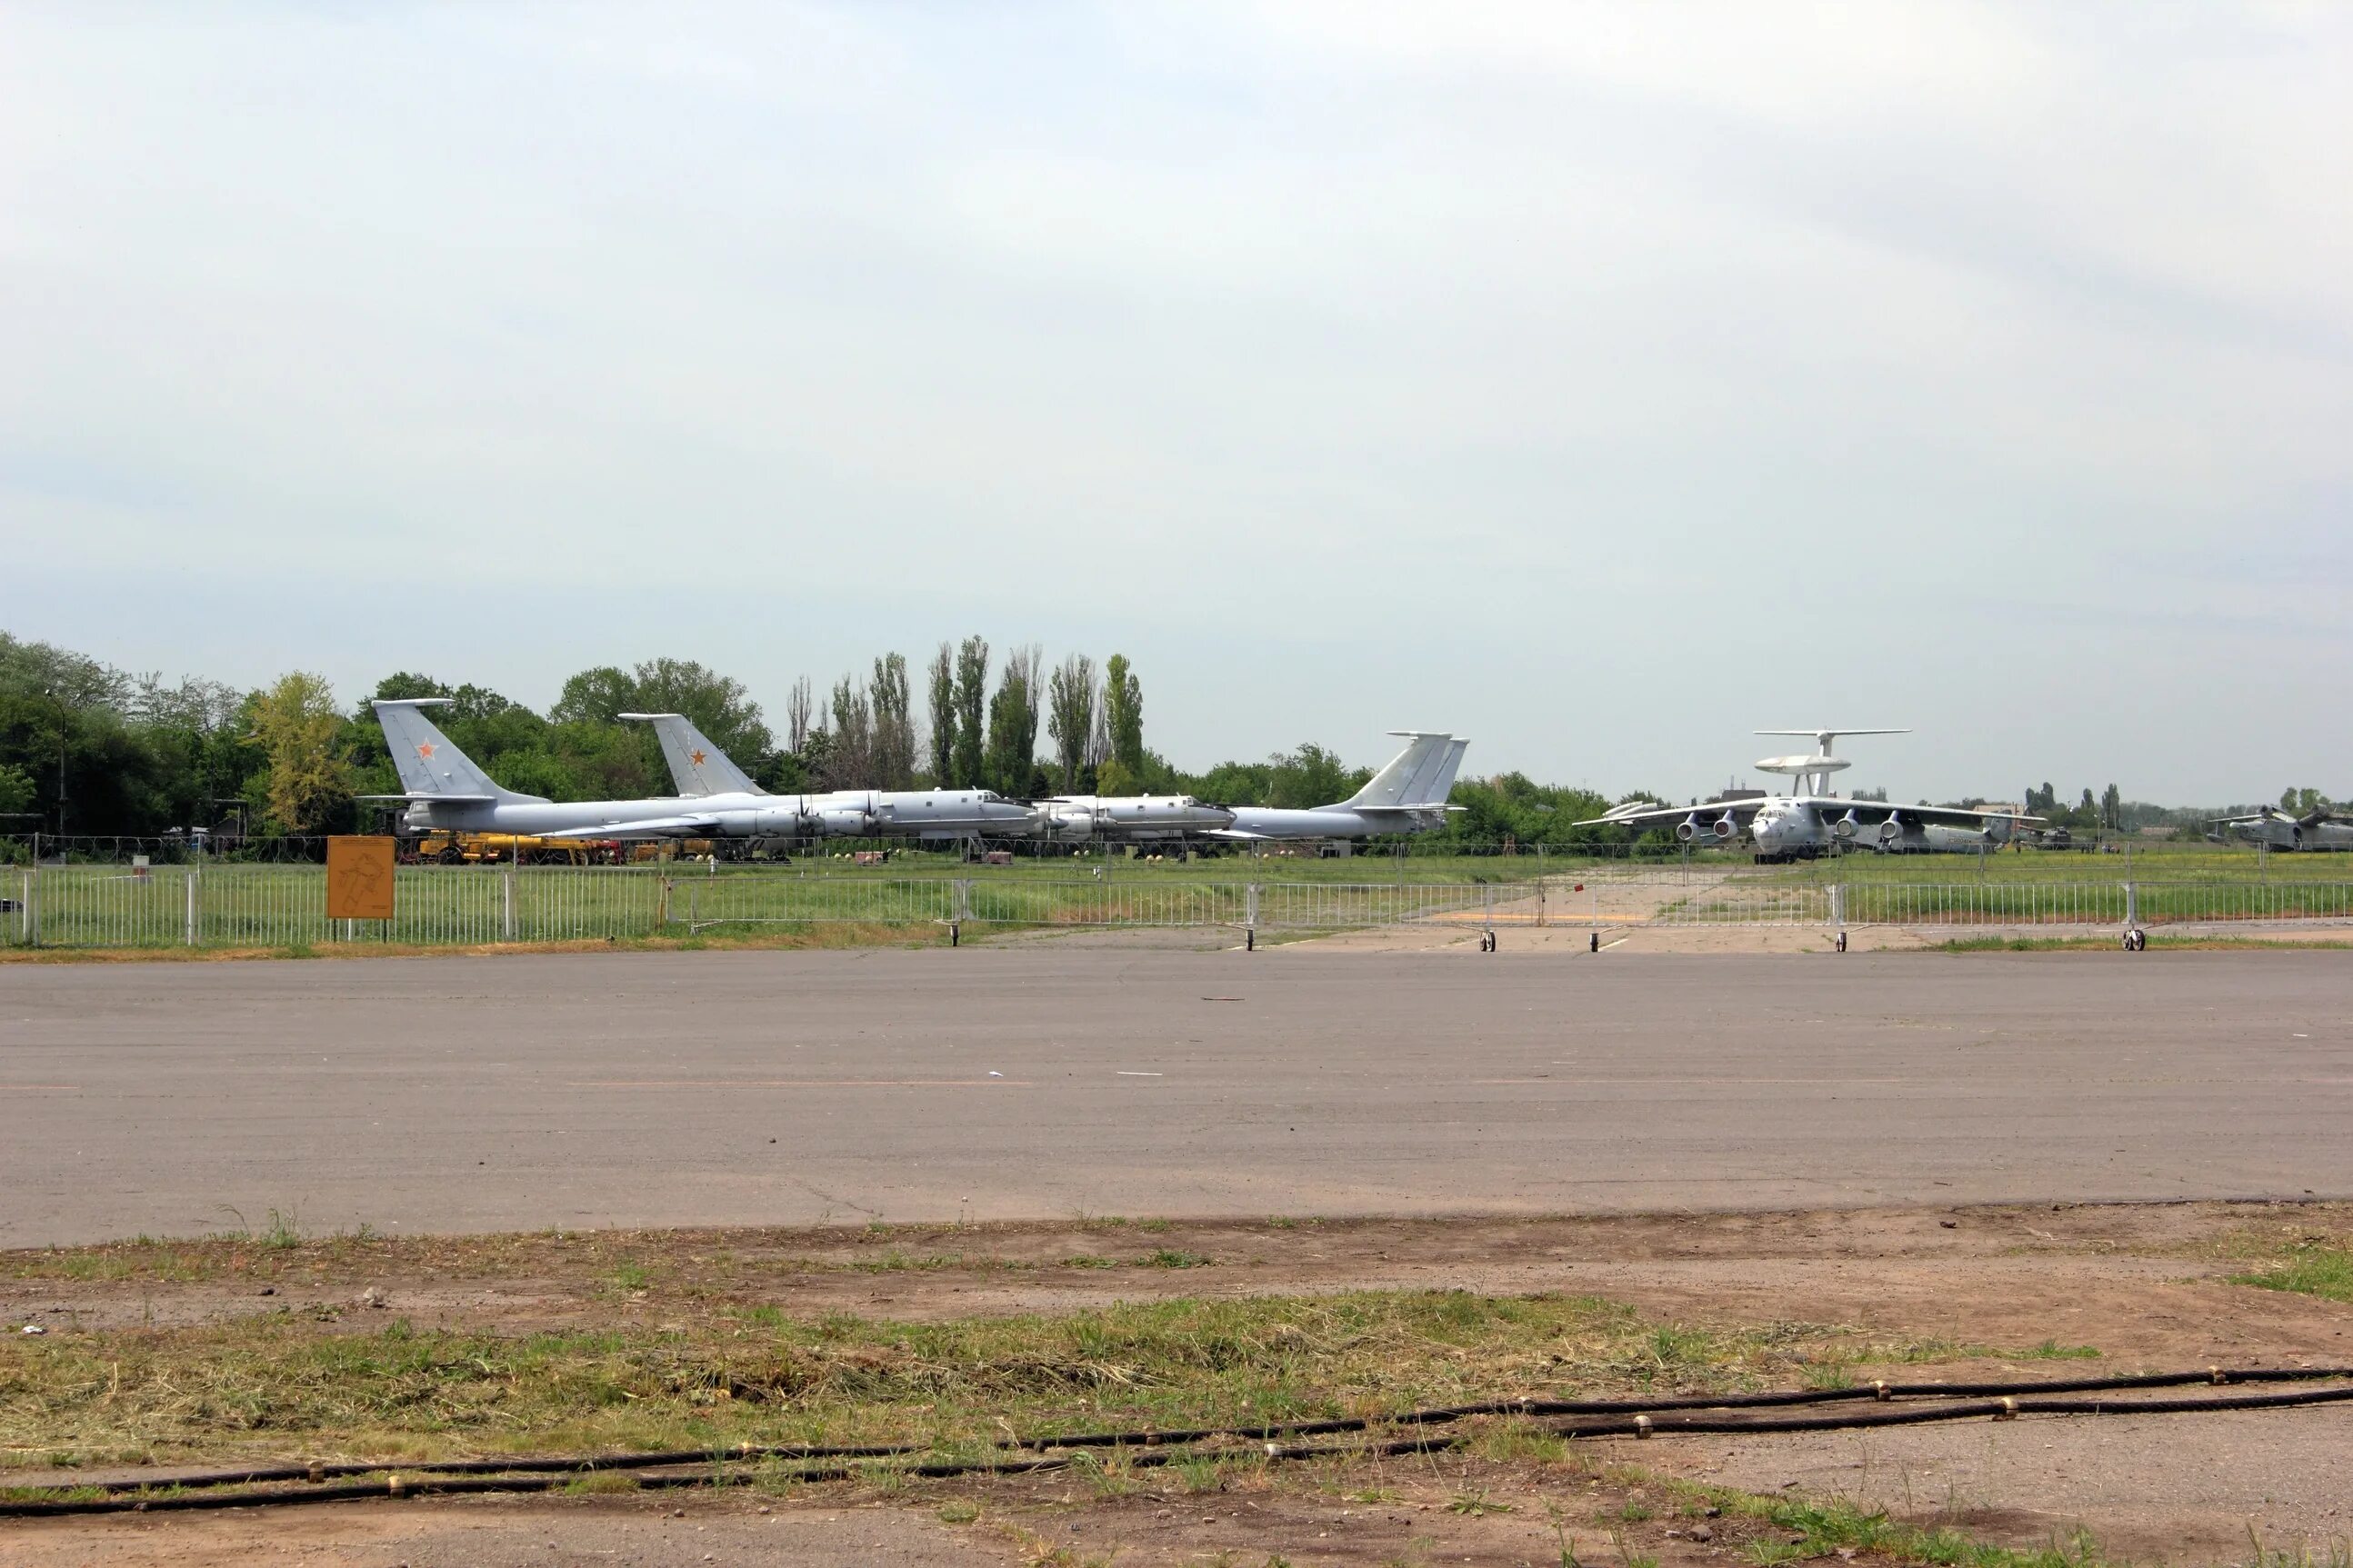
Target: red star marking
column 695, row 757
column 426, row 751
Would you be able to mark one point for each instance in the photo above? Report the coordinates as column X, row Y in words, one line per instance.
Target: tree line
column 89, row 750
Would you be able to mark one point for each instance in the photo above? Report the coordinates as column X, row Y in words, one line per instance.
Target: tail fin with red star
column 430, row 767
column 698, row 767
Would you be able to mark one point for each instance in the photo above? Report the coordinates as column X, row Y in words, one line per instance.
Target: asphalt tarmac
column 476, row 1094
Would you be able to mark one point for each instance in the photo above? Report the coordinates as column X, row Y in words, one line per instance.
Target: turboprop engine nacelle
column 1070, row 822
column 844, row 823
column 769, row 823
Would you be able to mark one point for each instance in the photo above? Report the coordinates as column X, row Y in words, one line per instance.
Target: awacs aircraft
column 1408, row 796
column 2323, row 829
column 700, row 769
column 1812, row 821
column 444, row 788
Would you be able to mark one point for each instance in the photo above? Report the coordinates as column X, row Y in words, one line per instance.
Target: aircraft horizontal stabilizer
column 435, row 795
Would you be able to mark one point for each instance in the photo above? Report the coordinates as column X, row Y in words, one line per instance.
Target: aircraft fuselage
column 1795, row 827
column 1330, row 822
column 937, row 813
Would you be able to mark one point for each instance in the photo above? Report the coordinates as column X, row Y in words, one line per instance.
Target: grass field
column 721, row 1373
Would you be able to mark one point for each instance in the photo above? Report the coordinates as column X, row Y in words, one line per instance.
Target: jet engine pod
column 845, row 823
column 1891, row 830
column 1846, row 826
column 1687, row 829
column 1725, row 829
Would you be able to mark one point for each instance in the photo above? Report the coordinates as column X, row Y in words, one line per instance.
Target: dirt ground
column 2142, row 1285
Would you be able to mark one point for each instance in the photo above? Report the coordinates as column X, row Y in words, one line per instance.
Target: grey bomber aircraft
column 1811, row 821
column 444, row 788
column 700, row 768
column 1408, row 796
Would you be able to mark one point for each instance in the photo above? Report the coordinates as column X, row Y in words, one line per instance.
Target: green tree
column 894, row 723
column 1013, row 725
column 942, row 674
column 1311, row 776
column 849, row 759
column 971, row 707
column 598, row 696
column 300, row 732
column 17, row 797
column 1071, row 716
column 1123, row 699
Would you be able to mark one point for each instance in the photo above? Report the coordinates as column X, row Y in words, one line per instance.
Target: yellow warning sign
column 359, row 878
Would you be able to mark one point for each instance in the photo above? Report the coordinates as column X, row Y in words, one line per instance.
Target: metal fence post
column 507, row 900
column 2132, row 904
column 962, row 899
column 1838, row 905
column 189, row 931
column 33, row 897
column 1249, row 907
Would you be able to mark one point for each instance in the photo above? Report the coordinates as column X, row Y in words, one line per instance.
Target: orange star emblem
column 426, row 751
column 696, row 757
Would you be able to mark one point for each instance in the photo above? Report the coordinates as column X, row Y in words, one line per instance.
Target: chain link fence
column 281, row 905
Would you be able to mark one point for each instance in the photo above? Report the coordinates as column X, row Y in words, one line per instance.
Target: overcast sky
column 1603, row 382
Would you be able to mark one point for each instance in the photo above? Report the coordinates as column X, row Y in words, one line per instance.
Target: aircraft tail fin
column 1392, row 789
column 697, row 766
column 430, row 763
column 1430, row 793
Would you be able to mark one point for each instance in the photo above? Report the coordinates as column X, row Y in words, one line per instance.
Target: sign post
column 359, row 877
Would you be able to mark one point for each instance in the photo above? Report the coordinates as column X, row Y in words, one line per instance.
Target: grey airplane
column 2325, row 829
column 1810, row 821
column 700, row 768
column 444, row 788
column 1408, row 796
column 1127, row 818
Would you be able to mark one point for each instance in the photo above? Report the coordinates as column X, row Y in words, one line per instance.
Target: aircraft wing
column 1876, row 811
column 643, row 827
column 1665, row 815
column 1229, row 832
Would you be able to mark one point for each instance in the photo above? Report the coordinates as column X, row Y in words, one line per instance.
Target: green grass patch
column 2307, row 1269
column 1803, row 1529
column 279, row 1386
